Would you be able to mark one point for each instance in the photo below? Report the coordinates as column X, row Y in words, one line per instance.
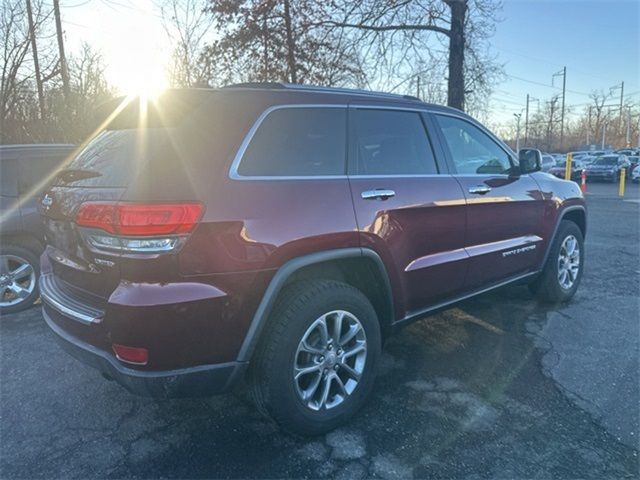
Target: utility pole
column 64, row 71
column 613, row 89
column 604, row 130
column 589, row 126
column 36, row 63
column 518, row 115
column 564, row 91
column 526, row 118
column 628, row 143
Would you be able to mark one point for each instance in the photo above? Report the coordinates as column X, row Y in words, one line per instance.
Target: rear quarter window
column 297, row 142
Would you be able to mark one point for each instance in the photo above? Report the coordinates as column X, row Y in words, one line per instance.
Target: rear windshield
column 113, row 158
column 135, row 135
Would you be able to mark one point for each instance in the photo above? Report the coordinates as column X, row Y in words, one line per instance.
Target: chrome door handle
column 379, row 194
column 480, row 189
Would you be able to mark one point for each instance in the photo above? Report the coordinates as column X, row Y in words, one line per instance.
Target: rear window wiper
column 69, row 175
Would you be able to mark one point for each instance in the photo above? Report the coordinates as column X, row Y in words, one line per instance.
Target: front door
column 504, row 208
column 407, row 209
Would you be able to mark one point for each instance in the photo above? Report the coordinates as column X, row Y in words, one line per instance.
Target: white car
column 635, row 174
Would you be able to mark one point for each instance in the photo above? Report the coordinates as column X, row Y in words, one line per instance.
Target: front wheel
column 316, row 364
column 562, row 272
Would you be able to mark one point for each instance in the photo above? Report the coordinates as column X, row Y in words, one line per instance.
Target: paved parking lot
column 498, row 387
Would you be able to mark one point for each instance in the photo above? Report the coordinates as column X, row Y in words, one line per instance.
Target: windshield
column 607, row 161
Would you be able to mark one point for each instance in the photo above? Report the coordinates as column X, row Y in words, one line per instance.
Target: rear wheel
column 562, row 273
column 315, row 366
column 19, row 269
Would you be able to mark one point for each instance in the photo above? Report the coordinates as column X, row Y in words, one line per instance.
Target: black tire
column 271, row 374
column 31, row 257
column 547, row 286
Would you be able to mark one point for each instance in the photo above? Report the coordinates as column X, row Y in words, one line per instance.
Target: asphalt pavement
column 498, row 387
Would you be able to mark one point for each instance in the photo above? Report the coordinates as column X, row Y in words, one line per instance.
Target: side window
column 36, row 173
column 391, row 142
column 472, row 150
column 298, row 142
column 8, row 176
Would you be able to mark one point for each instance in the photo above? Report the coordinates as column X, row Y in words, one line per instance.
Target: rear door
column 504, row 208
column 408, row 208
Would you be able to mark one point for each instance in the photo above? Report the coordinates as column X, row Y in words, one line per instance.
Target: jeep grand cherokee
column 278, row 233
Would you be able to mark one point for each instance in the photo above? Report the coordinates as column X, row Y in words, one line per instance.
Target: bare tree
column 187, row 23
column 279, row 40
column 396, row 35
column 17, row 86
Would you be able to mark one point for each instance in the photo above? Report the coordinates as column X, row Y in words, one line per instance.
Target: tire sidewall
column 32, row 258
column 282, row 392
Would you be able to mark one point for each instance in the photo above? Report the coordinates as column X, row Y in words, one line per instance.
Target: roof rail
column 317, row 88
column 269, row 85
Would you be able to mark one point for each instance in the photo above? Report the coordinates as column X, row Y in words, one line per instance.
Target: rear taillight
column 137, row 227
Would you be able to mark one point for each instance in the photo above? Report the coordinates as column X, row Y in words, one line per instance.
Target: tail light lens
column 136, row 227
column 132, row 355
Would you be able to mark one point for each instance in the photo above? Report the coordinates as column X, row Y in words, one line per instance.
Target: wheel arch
column 355, row 266
column 22, row 239
column 575, row 213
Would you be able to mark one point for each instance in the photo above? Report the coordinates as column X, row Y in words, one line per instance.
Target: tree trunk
column 291, row 58
column 455, row 97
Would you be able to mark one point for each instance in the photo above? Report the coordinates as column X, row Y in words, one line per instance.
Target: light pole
column 517, row 115
column 604, row 130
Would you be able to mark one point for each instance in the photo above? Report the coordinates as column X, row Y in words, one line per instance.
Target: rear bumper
column 197, row 381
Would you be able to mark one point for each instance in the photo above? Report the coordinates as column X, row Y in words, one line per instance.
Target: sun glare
column 137, row 59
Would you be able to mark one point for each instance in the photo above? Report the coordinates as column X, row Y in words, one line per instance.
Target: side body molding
column 284, row 273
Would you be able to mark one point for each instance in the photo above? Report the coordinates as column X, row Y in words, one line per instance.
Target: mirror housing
column 530, row 160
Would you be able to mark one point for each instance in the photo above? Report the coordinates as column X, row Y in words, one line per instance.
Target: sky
column 598, row 41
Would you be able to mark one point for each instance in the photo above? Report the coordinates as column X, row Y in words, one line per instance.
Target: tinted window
column 114, row 157
column 37, row 172
column 298, row 142
column 8, row 177
column 472, row 150
column 392, row 143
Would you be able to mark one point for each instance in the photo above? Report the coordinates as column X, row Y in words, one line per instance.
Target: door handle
column 480, row 189
column 378, row 194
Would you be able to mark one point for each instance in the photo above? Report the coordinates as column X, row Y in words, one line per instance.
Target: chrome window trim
column 233, row 171
column 503, row 146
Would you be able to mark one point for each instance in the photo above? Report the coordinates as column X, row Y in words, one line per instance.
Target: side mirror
column 530, row 160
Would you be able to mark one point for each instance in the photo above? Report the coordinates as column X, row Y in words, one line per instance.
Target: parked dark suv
column 279, row 233
column 24, row 172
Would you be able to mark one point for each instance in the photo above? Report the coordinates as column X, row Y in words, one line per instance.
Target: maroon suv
column 279, row 233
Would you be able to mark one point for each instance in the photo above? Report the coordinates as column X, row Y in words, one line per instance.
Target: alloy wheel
column 330, row 360
column 17, row 280
column 568, row 262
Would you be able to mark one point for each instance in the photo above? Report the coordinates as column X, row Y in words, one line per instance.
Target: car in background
column 635, row 174
column 576, row 170
column 606, row 168
column 548, row 162
column 587, row 160
column 559, row 157
column 25, row 172
column 627, row 152
column 634, row 160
